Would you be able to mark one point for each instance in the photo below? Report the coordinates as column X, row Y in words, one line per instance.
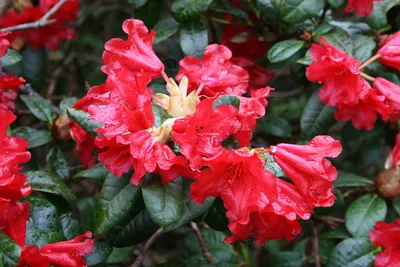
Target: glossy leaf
column 12, row 57
column 34, row 136
column 57, row 163
column 9, row 251
column 194, row 39
column 346, row 179
column 40, row 107
column 284, row 50
column 165, row 28
column 81, row 118
column 227, row 100
column 87, row 207
column 69, row 225
column 296, row 11
column 184, row 10
column 99, row 254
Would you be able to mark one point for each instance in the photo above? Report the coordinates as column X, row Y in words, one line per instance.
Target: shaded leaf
column 286, row 259
column 66, row 104
column 9, row 251
column 33, row 136
column 352, row 252
column 185, row 10
column 193, row 39
column 70, row 226
column 339, row 232
column 34, row 61
column 57, row 163
column 346, row 179
column 87, row 207
column 99, row 254
column 40, row 108
column 275, row 125
column 98, row 172
column 81, row 118
column 165, row 28
column 12, row 57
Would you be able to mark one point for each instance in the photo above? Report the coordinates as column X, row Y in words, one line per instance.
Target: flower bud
column 388, row 182
column 61, row 128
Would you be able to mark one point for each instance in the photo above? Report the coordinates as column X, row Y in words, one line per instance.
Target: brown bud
column 61, row 128
column 388, row 182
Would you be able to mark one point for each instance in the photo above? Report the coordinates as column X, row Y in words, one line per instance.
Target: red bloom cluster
column 387, row 235
column 9, row 86
column 198, row 122
column 362, row 8
column 48, row 36
column 343, row 85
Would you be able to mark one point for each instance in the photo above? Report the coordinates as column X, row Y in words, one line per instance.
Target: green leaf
column 87, row 207
column 9, row 251
column 140, row 228
column 81, row 118
column 40, row 108
column 43, row 226
column 363, row 47
column 227, row 100
column 396, row 204
column 33, row 136
column 275, row 125
column 222, row 253
column 363, row 213
column 57, row 163
column 321, row 30
column 216, row 217
column 45, row 182
column 193, row 39
column 286, row 259
column 66, row 104
column 336, row 3
column 317, row 117
column 341, row 40
column 98, row 172
column 189, row 10
column 339, row 232
column 346, row 179
column 34, row 62
column 378, row 19
column 12, row 57
column 296, row 11
column 284, row 50
column 169, row 204
column 120, row 255
column 272, row 166
column 165, row 28
column 137, row 3
column 99, row 254
column 268, row 11
column 118, row 198
column 70, row 226
column 352, row 252
column 159, row 115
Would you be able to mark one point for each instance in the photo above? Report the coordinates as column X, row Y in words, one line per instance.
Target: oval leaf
column 33, row 136
column 165, row 28
column 81, row 118
column 99, row 254
column 194, row 39
column 346, row 179
column 185, row 10
column 227, row 100
column 284, row 50
column 40, row 107
column 352, row 252
column 9, row 251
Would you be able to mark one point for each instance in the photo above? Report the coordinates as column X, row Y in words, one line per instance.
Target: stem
column 367, row 77
column 369, row 61
column 203, row 244
column 43, row 21
column 222, row 21
column 165, row 76
column 316, row 248
column 149, row 243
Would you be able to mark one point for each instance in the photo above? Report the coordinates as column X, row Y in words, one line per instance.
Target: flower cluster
column 387, row 235
column 144, row 131
column 346, row 87
column 48, row 36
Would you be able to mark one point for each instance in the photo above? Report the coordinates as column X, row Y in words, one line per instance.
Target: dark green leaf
column 57, row 163
column 87, row 207
column 159, row 115
column 396, row 204
column 296, row 11
column 341, row 40
column 189, row 10
column 81, row 118
column 34, row 62
column 137, row 3
column 317, row 117
column 12, row 57
column 336, row 3
column 66, row 104
column 275, row 125
column 98, row 172
column 40, row 107
column 352, row 252
column 284, row 50
column 120, row 255
column 227, row 100
column 378, row 19
column 193, row 39
column 45, row 182
column 9, row 251
column 70, row 226
column 99, row 254
column 339, row 232
column 43, row 225
column 286, row 259
column 268, row 11
column 346, row 179
column 33, row 136
column 118, row 198
column 150, row 12
column 321, row 30
column 165, row 28
column 169, row 204
column 363, row 47
column 272, row 166
column 363, row 213
column 216, row 217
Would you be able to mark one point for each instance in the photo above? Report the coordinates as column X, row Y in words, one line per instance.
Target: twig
column 316, row 248
column 149, row 243
column 203, row 244
column 43, row 21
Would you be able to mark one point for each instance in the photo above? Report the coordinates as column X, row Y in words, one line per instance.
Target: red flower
column 17, row 215
column 69, row 253
column 387, row 235
column 363, row 113
column 136, row 54
column 9, row 86
column 215, row 71
column 338, row 72
column 390, row 90
column 239, row 178
column 307, row 167
column 250, row 110
column 396, row 151
column 361, row 7
column 201, row 134
column 6, row 118
column 264, row 226
column 390, row 51
column 31, row 257
column 48, row 36
column 4, row 43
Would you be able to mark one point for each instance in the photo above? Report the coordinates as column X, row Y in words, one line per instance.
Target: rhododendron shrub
column 191, row 132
